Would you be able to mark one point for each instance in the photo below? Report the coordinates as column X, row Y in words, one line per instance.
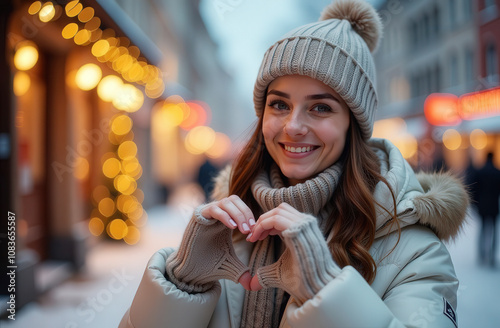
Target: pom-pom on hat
column 336, row 50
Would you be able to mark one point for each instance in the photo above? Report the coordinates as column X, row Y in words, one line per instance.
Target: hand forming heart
column 234, row 213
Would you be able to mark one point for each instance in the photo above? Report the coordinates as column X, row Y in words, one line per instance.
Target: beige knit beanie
column 336, row 50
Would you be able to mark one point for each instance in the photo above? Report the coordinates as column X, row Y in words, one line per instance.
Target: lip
column 289, row 149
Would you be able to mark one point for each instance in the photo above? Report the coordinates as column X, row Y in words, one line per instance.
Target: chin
column 294, row 175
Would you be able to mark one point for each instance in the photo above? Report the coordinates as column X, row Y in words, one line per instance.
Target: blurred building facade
column 432, row 55
column 103, row 103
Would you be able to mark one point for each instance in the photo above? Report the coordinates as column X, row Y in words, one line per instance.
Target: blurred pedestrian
column 314, row 224
column 487, row 193
column 206, row 175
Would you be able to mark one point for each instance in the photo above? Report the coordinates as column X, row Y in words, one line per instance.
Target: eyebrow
column 310, row 97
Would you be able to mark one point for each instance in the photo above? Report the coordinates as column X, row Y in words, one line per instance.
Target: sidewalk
column 98, row 297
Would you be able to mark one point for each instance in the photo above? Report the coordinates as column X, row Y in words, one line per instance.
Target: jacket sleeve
column 159, row 303
column 421, row 292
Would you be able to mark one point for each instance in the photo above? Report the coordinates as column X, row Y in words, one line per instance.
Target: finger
column 235, row 213
column 243, row 207
column 277, row 222
column 245, row 280
column 267, row 233
column 257, row 232
column 262, row 236
column 255, row 284
column 212, row 211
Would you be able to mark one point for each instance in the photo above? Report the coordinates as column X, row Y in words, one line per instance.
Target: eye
column 322, row 108
column 278, row 104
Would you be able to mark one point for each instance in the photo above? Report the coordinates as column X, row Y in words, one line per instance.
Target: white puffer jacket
column 415, row 285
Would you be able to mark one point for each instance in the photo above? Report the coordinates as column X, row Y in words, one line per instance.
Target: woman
column 315, row 224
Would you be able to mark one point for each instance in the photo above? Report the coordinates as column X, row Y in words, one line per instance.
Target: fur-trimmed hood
column 437, row 200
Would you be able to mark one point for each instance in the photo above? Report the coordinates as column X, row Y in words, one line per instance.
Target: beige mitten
column 305, row 267
column 205, row 255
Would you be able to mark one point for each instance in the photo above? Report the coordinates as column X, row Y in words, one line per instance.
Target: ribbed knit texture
column 305, row 267
column 309, row 197
column 261, row 308
column 332, row 52
column 205, row 255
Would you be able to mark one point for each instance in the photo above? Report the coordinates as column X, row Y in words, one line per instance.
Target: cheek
column 333, row 135
column 269, row 129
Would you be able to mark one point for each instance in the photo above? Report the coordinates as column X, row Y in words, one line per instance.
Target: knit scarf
column 263, row 308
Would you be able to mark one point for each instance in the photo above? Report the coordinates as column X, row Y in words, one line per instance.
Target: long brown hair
column 354, row 215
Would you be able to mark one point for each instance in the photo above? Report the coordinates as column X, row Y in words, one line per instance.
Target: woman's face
column 305, row 125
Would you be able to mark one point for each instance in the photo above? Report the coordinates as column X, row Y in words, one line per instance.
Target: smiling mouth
column 299, row 149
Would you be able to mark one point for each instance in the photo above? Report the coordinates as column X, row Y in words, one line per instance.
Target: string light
column 118, row 203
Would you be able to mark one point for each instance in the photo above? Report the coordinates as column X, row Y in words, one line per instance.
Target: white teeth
column 298, row 149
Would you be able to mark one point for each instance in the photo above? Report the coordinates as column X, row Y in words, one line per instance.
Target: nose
column 295, row 124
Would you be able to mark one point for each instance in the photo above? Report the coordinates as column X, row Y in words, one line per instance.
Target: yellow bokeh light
column 111, row 167
column 452, row 139
column 173, row 114
column 155, row 90
column 136, row 214
column 82, row 37
column 88, row 76
column 200, row 139
column 26, row 56
column 221, row 146
column 118, row 229
column 73, row 8
column 130, row 190
column 478, row 139
column 134, row 51
column 69, row 30
column 121, row 125
column 81, row 169
column 22, row 83
column 35, row 7
column 100, row 48
column 106, row 206
column 132, row 167
column 122, row 182
column 389, row 128
column 109, row 87
column 135, row 73
column 99, row 193
column 123, row 63
column 141, row 220
column 96, row 226
column 128, row 98
column 47, row 12
column 126, row 203
column 112, row 53
column 86, row 14
column 127, row 149
column 407, row 145
column 93, row 24
column 133, row 235
column 125, row 184
column 95, row 34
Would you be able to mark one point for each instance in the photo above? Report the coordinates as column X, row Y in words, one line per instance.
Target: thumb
column 255, row 284
column 245, row 280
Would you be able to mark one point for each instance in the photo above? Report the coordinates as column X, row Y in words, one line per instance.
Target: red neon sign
column 479, row 104
column 441, row 109
column 445, row 109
